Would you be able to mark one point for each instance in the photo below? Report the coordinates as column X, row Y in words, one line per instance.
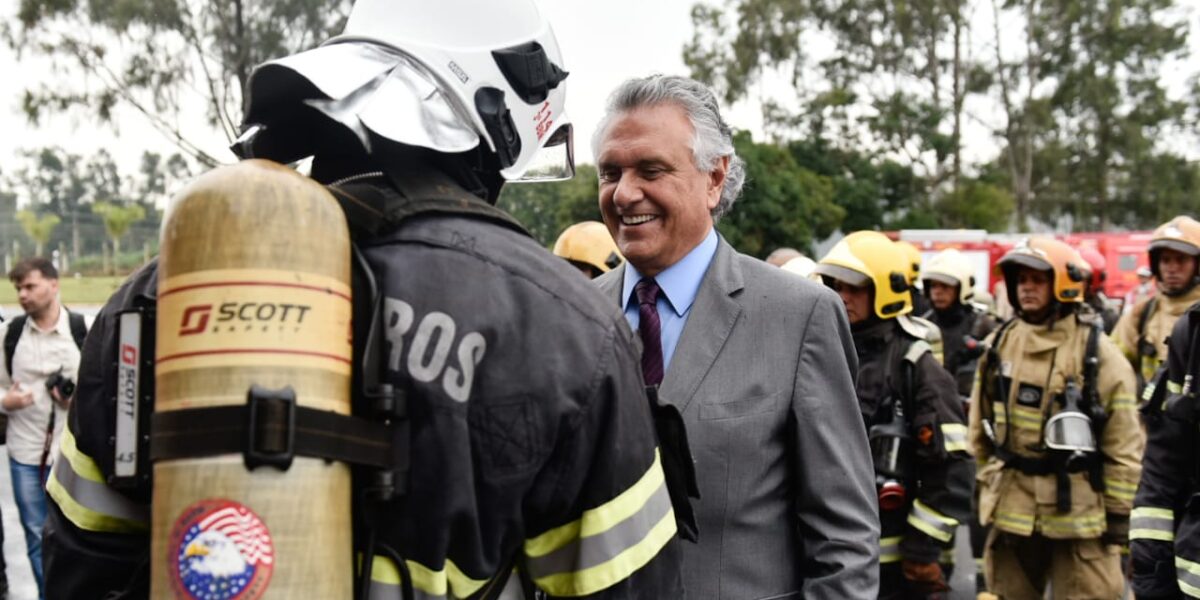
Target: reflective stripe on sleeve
column 608, row 542
column 1122, row 402
column 889, row 549
column 1174, row 387
column 955, row 436
column 1119, row 489
column 428, row 584
column 78, row 488
column 1149, row 523
column 1188, row 576
column 931, row 522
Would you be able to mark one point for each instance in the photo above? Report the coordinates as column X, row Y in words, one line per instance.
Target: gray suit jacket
column 764, row 377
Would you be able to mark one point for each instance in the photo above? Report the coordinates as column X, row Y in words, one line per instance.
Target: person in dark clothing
column 535, row 446
column 916, row 421
column 1164, row 529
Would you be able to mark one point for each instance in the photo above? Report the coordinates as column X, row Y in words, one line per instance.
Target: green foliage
column 118, row 217
column 545, row 209
column 782, row 203
column 158, row 57
column 1078, row 81
column 52, row 180
column 38, row 227
column 976, row 205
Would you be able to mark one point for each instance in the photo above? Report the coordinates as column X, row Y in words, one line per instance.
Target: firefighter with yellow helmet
column 1055, row 434
column 589, row 247
column 1142, row 333
column 494, row 409
column 915, row 419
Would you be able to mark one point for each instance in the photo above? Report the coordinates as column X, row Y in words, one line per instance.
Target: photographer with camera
column 41, row 359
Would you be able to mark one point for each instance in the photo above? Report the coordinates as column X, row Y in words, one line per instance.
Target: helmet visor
column 556, row 160
column 1070, row 430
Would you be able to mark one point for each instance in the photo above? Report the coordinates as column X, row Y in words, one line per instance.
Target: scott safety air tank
column 254, row 293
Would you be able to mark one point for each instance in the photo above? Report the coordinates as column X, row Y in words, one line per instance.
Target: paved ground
column 20, row 577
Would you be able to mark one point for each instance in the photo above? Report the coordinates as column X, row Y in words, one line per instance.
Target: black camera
column 57, row 381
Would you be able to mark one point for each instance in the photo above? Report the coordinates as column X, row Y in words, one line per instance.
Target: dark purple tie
column 650, row 328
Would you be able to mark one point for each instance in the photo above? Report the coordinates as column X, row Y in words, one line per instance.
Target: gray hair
column 713, row 138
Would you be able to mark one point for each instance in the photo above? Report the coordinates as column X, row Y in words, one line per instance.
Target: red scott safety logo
column 129, row 354
column 543, row 119
column 186, row 327
column 220, row 550
column 196, row 317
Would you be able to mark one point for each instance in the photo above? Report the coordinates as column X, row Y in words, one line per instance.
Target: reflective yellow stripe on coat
column 955, row 437
column 78, row 488
column 931, row 522
column 1150, row 523
column 606, row 544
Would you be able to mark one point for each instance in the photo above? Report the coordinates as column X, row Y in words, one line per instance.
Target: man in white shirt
column 37, row 381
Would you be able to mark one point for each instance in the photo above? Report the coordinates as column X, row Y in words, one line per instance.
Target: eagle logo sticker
column 220, row 550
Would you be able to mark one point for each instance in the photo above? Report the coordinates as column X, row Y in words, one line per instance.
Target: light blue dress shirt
column 679, row 284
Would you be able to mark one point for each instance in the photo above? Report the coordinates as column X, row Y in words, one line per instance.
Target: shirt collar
column 679, row 282
column 62, row 325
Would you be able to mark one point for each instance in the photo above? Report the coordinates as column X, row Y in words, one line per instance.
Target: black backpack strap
column 15, row 328
column 79, row 328
column 1145, row 316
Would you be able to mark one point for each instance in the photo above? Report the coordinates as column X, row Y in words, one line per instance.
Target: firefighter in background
column 915, row 419
column 912, row 256
column 1142, row 291
column 949, row 283
column 1141, row 334
column 1094, row 298
column 1056, row 438
column 914, row 323
column 1164, row 535
column 588, row 246
column 535, row 444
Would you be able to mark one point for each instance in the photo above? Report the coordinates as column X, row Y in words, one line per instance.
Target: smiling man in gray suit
column 759, row 361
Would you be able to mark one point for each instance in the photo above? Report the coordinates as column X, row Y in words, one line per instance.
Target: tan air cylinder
column 254, row 289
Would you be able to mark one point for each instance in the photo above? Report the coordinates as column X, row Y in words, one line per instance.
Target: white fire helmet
column 448, row 75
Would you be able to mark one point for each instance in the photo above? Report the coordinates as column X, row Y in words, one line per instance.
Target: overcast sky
column 603, row 42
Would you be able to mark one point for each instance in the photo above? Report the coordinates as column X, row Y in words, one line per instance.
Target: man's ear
column 716, row 181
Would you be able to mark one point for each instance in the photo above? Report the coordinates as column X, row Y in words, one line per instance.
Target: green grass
column 75, row 291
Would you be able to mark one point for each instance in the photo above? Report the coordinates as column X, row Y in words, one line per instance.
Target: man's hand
column 63, row 403
column 17, row 398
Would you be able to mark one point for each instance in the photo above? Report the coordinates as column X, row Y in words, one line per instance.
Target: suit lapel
column 712, row 318
column 611, row 283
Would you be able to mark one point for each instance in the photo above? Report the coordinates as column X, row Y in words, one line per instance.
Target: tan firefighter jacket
column 1035, row 363
column 1164, row 311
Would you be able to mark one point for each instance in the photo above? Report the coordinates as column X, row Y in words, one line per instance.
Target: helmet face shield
column 556, row 160
column 1071, row 431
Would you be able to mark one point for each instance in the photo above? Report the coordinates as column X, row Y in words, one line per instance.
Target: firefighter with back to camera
column 1164, row 529
column 1055, row 434
column 531, row 447
column 950, row 286
column 1141, row 334
column 916, row 423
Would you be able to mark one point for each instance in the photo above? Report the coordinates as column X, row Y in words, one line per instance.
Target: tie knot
column 647, row 291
